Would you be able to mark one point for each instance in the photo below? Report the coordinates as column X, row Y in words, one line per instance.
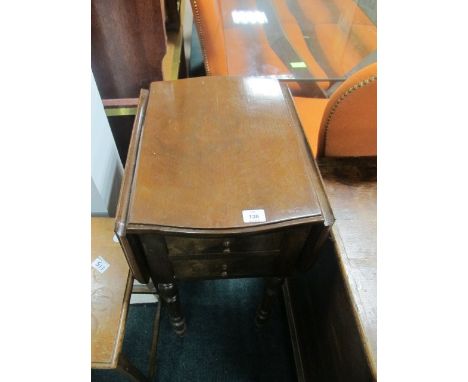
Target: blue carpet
column 221, row 343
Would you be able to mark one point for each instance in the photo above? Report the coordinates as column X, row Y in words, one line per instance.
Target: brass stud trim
column 201, row 35
column 349, row 91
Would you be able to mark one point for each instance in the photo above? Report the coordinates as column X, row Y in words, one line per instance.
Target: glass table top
column 299, row 39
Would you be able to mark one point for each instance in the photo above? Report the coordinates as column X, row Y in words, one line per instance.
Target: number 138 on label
column 253, row 216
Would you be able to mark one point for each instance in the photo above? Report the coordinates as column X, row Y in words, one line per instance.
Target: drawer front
column 180, row 245
column 257, row 264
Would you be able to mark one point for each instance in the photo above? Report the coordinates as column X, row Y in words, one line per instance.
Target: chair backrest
column 349, row 123
column 208, row 21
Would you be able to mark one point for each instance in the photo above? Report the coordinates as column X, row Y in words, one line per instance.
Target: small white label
column 253, row 216
column 100, row 264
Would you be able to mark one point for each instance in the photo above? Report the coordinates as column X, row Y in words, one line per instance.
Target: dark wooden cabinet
column 332, row 308
column 219, row 183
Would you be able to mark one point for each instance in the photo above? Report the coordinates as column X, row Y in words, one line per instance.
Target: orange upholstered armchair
column 209, row 24
column 304, row 38
column 345, row 125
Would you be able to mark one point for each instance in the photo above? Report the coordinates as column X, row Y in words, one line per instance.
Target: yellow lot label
column 299, row 64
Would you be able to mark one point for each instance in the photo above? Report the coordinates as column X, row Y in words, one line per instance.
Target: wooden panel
column 332, row 309
column 228, row 266
column 351, row 186
column 128, row 43
column 325, row 332
column 110, row 295
column 130, row 244
column 177, row 245
column 120, row 102
column 213, row 147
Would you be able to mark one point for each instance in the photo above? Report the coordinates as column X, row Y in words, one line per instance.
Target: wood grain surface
column 351, row 186
column 213, row 147
column 134, row 257
column 203, row 151
column 110, row 296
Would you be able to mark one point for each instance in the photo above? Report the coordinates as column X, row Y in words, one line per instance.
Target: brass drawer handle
column 224, row 270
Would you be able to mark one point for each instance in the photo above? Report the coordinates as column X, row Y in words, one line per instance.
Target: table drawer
column 180, row 245
column 257, row 264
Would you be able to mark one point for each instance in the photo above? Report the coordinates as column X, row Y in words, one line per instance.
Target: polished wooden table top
column 110, row 295
column 351, row 186
column 219, row 156
column 297, row 39
column 214, row 147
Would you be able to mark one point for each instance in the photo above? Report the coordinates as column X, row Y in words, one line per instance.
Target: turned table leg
column 162, row 274
column 170, row 295
column 272, row 285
